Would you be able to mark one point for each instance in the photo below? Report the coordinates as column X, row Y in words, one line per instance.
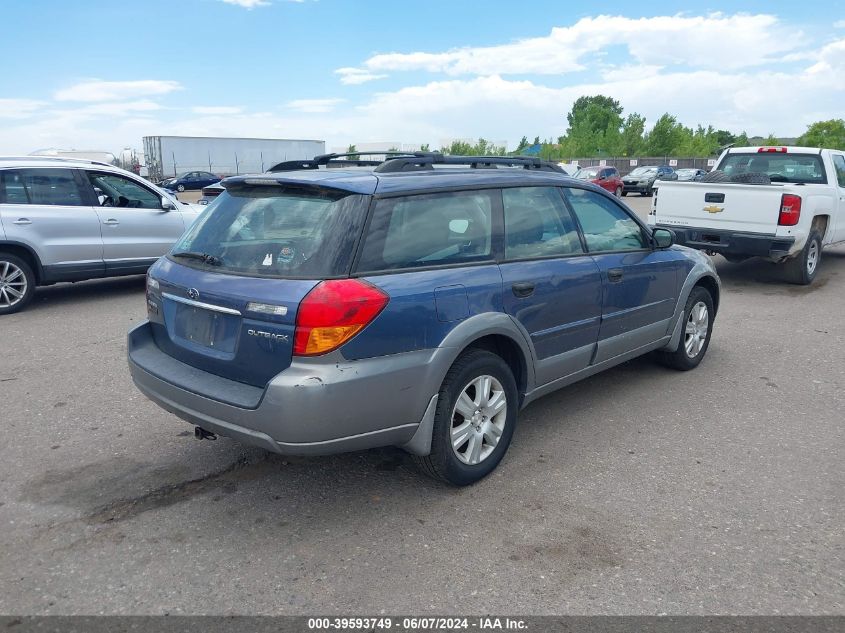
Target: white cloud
column 248, row 4
column 98, row 90
column 713, row 41
column 217, row 110
column 120, row 108
column 314, row 105
column 839, row 24
column 19, row 108
column 355, row 76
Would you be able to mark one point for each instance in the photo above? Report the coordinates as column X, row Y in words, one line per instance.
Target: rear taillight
column 333, row 312
column 790, row 210
column 765, row 150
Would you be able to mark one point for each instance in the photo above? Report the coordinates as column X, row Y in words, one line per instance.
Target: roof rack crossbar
column 426, row 160
column 346, row 159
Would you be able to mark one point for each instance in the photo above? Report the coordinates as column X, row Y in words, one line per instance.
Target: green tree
column 632, row 135
column 523, row 143
column 665, row 136
column 741, row 140
column 351, row 151
column 827, row 134
column 598, row 111
column 771, row 139
column 723, row 137
column 424, row 147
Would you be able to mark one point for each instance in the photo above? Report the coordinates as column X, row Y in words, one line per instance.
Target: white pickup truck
column 781, row 203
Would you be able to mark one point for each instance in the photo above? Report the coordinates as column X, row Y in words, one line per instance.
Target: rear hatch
column 229, row 291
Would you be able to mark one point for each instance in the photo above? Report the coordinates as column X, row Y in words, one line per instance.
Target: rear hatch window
column 779, row 167
column 276, row 231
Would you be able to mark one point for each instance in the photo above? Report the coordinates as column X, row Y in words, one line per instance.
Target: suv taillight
column 790, row 210
column 333, row 312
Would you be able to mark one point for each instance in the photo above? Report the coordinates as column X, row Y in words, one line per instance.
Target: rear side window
column 780, row 167
column 51, row 187
column 429, row 230
column 285, row 232
column 606, row 226
column 538, row 224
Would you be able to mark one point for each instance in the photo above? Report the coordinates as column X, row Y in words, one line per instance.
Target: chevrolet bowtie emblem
column 714, row 209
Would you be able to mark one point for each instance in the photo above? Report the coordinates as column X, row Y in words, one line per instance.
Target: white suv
column 68, row 220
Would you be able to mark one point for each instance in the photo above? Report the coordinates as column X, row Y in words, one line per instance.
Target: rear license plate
column 203, row 327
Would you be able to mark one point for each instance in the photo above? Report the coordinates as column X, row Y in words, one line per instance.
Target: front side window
column 285, row 232
column 52, row 187
column 429, row 230
column 839, row 165
column 117, row 191
column 538, row 224
column 606, row 226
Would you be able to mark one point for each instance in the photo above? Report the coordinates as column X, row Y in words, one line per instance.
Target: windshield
column 780, row 167
column 296, row 232
column 642, row 171
column 587, row 173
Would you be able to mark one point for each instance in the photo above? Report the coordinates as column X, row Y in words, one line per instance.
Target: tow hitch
column 201, row 434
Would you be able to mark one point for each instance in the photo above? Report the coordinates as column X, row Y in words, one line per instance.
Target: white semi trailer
column 170, row 156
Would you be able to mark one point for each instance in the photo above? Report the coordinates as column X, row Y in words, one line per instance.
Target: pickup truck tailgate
column 724, row 206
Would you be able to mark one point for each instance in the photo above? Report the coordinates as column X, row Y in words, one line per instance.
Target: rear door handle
column 614, row 274
column 111, row 222
column 22, row 221
column 523, row 289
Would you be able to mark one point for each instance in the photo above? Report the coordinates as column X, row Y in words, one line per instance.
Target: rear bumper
column 316, row 406
column 731, row 242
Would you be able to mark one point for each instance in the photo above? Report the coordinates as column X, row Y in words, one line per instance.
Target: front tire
column 695, row 337
column 17, row 283
column 802, row 268
column 624, row 193
column 618, row 193
column 475, row 419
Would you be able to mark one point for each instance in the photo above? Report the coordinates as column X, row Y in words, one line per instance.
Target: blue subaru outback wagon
column 419, row 303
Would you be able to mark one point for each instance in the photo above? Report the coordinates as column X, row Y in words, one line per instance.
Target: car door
column 839, row 168
column 640, row 283
column 46, row 209
column 136, row 229
column 552, row 287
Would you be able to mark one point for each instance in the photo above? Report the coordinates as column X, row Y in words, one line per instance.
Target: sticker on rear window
column 268, row 259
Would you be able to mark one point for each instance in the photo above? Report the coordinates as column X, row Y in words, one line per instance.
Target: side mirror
column 166, row 204
column 663, row 238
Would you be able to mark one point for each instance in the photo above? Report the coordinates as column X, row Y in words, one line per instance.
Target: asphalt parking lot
column 639, row 491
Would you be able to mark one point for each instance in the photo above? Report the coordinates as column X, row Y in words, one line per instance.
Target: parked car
column 605, row 177
column 784, row 204
column 642, row 179
column 331, row 310
column 190, row 180
column 210, row 193
column 72, row 219
column 690, row 174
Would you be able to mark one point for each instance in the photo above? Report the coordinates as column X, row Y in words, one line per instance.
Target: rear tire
column 17, row 283
column 180, row 188
column 802, row 268
column 695, row 336
column 466, row 447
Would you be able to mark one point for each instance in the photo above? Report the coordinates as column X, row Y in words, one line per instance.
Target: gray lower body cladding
column 316, row 406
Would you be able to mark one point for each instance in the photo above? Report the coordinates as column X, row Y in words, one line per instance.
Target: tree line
column 597, row 127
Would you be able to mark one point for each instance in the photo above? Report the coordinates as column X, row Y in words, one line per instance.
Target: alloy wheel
column 698, row 324
column 478, row 419
column 13, row 284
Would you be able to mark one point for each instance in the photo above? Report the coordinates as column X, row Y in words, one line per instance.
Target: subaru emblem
column 193, row 293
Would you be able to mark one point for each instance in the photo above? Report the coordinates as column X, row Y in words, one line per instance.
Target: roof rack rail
column 426, row 160
column 347, row 159
column 67, row 159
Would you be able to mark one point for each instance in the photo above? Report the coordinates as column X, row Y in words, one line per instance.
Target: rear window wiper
column 211, row 260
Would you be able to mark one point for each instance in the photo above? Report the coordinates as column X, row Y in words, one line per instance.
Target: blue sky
column 100, row 74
